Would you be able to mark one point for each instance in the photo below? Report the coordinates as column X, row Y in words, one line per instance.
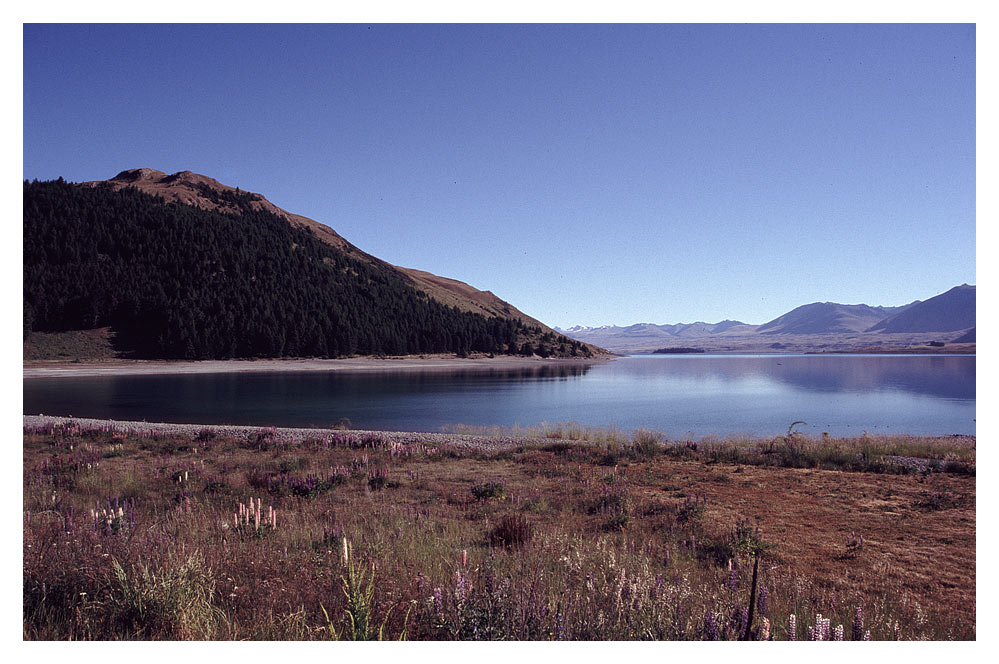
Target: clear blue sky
column 589, row 174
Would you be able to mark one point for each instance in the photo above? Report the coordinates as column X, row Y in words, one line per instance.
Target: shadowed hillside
column 204, row 192
column 825, row 318
column 947, row 312
column 225, row 276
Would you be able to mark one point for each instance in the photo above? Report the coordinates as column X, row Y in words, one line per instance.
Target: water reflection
column 948, row 377
column 697, row 395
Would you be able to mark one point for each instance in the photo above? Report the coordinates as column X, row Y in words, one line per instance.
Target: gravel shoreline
column 56, row 369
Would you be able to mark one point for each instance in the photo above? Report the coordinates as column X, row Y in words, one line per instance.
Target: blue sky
column 589, row 174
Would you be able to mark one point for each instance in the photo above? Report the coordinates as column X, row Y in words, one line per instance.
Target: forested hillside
column 176, row 281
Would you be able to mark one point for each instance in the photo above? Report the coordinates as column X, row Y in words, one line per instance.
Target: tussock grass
column 865, row 453
column 538, row 540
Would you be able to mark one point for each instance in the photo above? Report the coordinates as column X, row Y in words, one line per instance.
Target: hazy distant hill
column 649, row 335
column 966, row 338
column 826, row 318
column 947, row 312
column 819, row 326
column 181, row 266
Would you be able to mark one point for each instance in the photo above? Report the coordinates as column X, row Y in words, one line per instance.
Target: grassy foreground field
column 133, row 534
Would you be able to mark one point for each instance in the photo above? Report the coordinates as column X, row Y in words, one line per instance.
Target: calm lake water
column 695, row 395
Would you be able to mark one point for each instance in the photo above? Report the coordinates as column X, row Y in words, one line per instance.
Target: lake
column 681, row 395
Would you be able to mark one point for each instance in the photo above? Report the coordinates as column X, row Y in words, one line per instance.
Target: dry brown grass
column 595, row 530
column 96, row 344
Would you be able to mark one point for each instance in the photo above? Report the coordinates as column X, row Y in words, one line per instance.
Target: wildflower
column 792, row 627
column 732, row 582
column 856, row 634
column 710, row 626
column 761, row 601
column 838, row 633
column 765, row 630
column 438, row 601
column 461, row 587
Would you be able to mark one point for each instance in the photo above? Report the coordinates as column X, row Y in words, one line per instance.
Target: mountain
column 826, row 318
column 966, row 338
column 203, row 192
column 815, row 327
column 675, row 330
column 948, row 312
column 649, row 335
column 181, row 266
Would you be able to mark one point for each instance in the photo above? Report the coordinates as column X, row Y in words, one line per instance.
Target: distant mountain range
column 819, row 325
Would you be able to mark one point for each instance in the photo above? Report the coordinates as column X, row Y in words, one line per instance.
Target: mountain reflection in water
column 697, row 396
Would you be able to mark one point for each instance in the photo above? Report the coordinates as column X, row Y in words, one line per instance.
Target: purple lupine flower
column 761, row 601
column 857, row 633
column 743, row 620
column 460, row 586
column 560, row 633
column 710, row 626
column 732, row 583
column 438, row 601
column 656, row 591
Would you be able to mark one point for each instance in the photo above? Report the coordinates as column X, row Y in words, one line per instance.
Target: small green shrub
column 488, row 491
column 690, row 511
column 618, row 521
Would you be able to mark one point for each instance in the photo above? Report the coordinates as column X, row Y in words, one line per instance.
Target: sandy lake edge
column 54, row 369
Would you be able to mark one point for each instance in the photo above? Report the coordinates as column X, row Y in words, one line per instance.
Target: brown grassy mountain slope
column 188, row 188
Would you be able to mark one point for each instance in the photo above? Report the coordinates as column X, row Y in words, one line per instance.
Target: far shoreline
column 119, row 367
